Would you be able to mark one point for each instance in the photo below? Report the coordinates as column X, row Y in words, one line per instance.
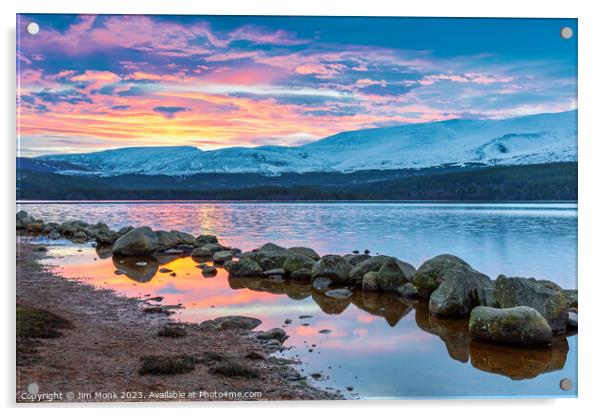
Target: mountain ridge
column 540, row 138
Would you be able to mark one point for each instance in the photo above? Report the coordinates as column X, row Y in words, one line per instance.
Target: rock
column 334, row 267
column 430, row 275
column 301, row 274
column 209, row 271
column 125, row 230
column 370, row 282
column 462, row 289
column 106, row 236
column 355, row 259
column 243, row 268
column 23, row 219
column 373, row 264
column 79, row 236
column 321, row 284
column 232, row 322
column 271, row 248
column 305, row 251
column 520, row 325
column 165, row 270
column 274, row 333
column 211, row 248
column 173, row 251
column 274, row 272
column 222, row 256
column 185, row 248
column 201, row 252
column 288, row 321
column 408, row 291
column 509, row 292
column 391, row 275
column 297, row 261
column 571, row 297
column 203, row 239
column 324, row 331
column 572, row 318
column 339, row 293
column 166, row 239
column 139, row 241
column 183, row 238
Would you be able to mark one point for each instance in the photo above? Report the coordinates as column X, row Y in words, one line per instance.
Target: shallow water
column 379, row 344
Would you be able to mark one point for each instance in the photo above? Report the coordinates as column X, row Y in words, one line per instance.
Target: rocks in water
column 571, row 297
column 209, row 271
column 333, row 267
column 106, row 236
column 408, row 291
column 305, row 251
column 520, row 325
column 324, row 331
column 274, row 333
column 551, row 303
column 244, row 267
column 462, row 289
column 166, row 239
column 137, row 242
column 429, row 276
column 370, row 282
column 374, row 264
column 203, row 239
column 297, row 261
column 220, row 257
column 392, row 275
column 183, row 238
column 232, row 322
column 301, row 274
column 321, row 284
column 339, row 293
column 206, row 251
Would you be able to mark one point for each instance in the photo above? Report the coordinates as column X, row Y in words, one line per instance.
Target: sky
column 89, row 83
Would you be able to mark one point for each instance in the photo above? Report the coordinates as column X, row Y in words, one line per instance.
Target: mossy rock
column 296, row 262
column 430, row 275
column 167, row 365
column 520, row 325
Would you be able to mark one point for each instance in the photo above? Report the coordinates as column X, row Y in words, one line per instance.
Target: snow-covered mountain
column 524, row 140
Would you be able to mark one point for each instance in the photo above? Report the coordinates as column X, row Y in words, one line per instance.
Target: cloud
column 169, row 112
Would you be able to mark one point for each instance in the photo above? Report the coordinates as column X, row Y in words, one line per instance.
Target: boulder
column 106, row 236
column 203, row 239
column 430, row 275
column 167, row 240
column 462, row 289
column 391, row 275
column 321, row 284
column 408, row 291
column 137, row 242
column 183, row 238
column 274, row 333
column 571, row 297
column 220, row 257
column 509, row 292
column 232, row 322
column 334, row 267
column 23, row 219
column 370, row 282
column 243, row 268
column 297, row 261
column 125, row 230
column 305, row 251
column 201, row 252
column 520, row 325
column 373, row 264
column 355, row 259
column 301, row 274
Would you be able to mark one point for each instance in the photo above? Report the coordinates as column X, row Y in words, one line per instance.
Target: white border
column 590, row 137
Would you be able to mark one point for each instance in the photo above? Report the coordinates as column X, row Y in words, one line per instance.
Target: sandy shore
column 99, row 357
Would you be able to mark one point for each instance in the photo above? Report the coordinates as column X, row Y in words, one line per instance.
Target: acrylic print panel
column 283, row 208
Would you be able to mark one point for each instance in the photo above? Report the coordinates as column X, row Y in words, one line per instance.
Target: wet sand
column 99, row 358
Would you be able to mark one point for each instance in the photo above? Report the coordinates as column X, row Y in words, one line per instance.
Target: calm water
column 378, row 344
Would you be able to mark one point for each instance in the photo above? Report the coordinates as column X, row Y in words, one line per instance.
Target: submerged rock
column 137, row 242
column 321, row 284
column 519, row 291
column 333, row 267
column 408, row 291
column 519, row 325
column 430, row 275
column 462, row 289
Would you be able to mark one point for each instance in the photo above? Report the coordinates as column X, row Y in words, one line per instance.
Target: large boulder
column 244, row 267
column 106, row 236
column 462, row 289
column 392, row 275
column 429, row 276
column 203, row 239
column 138, row 242
column 208, row 250
column 220, row 257
column 509, row 292
column 183, row 238
column 336, row 268
column 370, row 282
column 297, row 261
column 306, row 251
column 167, row 239
column 373, row 264
column 520, row 325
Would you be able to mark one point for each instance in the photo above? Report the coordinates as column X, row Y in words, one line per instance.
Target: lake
column 378, row 345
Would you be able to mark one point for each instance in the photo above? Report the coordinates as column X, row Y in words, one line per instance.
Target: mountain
column 536, row 139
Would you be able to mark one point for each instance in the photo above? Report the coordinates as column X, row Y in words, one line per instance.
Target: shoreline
column 100, row 354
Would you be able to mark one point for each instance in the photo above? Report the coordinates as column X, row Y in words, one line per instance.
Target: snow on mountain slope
column 532, row 139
